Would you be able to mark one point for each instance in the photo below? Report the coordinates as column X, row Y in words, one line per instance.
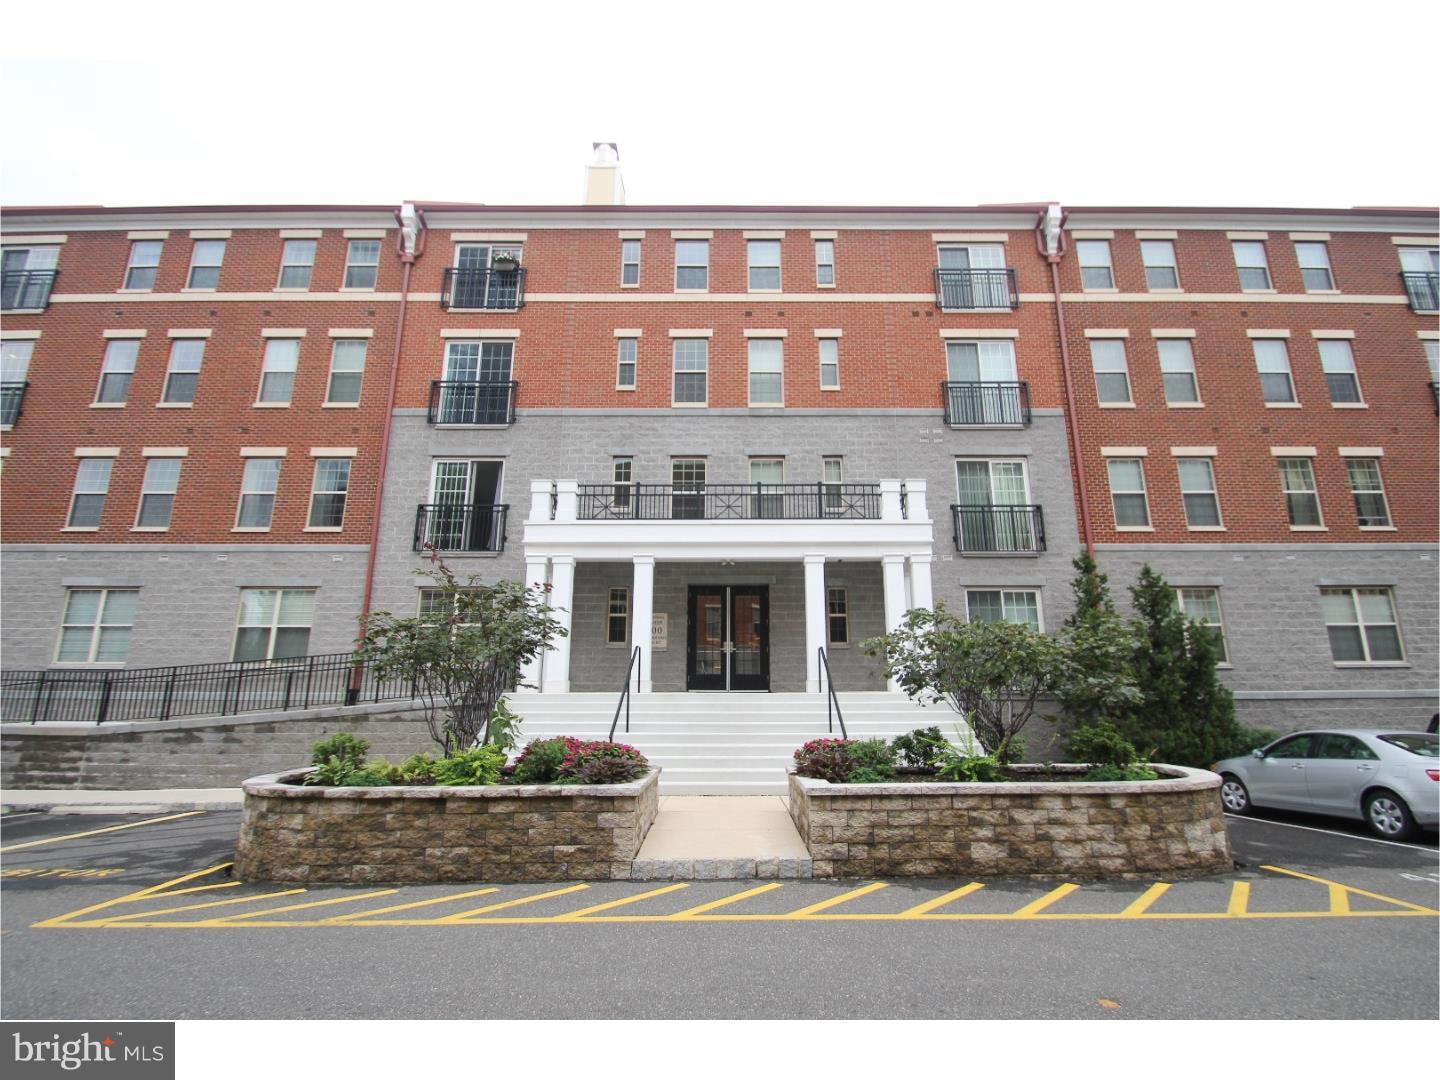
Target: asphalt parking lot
column 139, row 917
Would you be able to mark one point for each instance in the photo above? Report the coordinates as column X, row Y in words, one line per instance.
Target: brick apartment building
column 758, row 431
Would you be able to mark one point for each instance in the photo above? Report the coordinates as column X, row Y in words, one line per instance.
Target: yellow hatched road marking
column 414, row 904
column 824, row 905
column 463, row 915
column 725, row 901
column 1351, row 888
column 1037, row 906
column 197, row 907
column 309, row 904
column 1339, row 900
column 153, row 890
column 1239, row 899
column 1141, row 903
column 97, row 832
column 941, row 901
column 622, row 901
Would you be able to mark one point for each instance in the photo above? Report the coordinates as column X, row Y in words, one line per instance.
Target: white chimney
column 603, row 186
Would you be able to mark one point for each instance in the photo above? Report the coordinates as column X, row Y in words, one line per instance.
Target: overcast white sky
column 890, row 102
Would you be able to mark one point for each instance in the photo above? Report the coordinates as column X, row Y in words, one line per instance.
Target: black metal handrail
column 463, row 401
column 483, row 288
column 989, row 529
column 12, row 398
column 969, row 403
column 832, row 702
column 624, row 701
column 26, row 290
column 1423, row 288
column 725, row 502
column 461, row 526
column 966, row 289
column 169, row 693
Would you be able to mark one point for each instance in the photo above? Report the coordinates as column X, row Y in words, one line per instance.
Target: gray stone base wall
column 985, row 830
column 420, row 834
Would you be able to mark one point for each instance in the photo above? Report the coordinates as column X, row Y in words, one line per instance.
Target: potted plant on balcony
column 505, row 262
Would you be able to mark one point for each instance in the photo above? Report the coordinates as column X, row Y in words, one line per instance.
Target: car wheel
column 1233, row 795
column 1388, row 816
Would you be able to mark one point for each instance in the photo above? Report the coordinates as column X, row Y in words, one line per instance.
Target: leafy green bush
column 418, row 770
column 1100, row 743
column 540, row 761
column 333, row 772
column 378, row 773
column 825, row 759
column 919, row 749
column 1102, row 773
column 1247, row 739
column 617, row 763
column 958, row 767
column 504, row 729
column 348, row 748
column 875, row 758
column 479, row 765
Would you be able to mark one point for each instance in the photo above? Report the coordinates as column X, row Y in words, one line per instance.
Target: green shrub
column 1247, row 739
column 875, row 758
column 1103, row 773
column 540, row 761
column 378, row 773
column 477, row 766
column 919, row 749
column 970, row 768
column 348, row 748
column 333, row 772
column 417, row 769
column 867, row 775
column 1100, row 743
column 825, row 759
column 504, row 729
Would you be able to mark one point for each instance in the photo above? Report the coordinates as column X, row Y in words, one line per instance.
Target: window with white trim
column 277, row 373
column 1096, row 270
column 762, row 261
column 993, row 511
column 1314, row 259
column 1302, row 501
column 1177, row 370
column 347, row 370
column 1371, row 508
column 274, row 624
column 617, row 617
column 1362, row 626
column 687, row 487
column 832, row 475
column 1432, row 357
column 1202, row 605
column 692, row 265
column 767, row 371
column 206, row 257
column 92, row 484
column 96, row 625
column 1251, row 265
column 837, row 617
column 1337, row 359
column 442, row 602
column 1272, row 361
column 629, row 262
column 1127, row 491
column 362, row 264
column 26, row 286
column 327, row 493
column 257, row 493
column 144, row 262
column 985, row 286
column 829, row 363
column 824, row 262
column 692, row 362
column 183, row 373
column 622, row 474
column 627, row 351
column 157, row 492
column 1197, row 491
column 14, row 372
column 297, row 260
column 1161, row 271
column 1112, row 374
column 1019, row 606
column 117, row 370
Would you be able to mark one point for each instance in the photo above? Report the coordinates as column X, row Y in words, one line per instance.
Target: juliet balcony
column 483, row 289
column 984, row 404
column 976, row 290
column 477, row 528
column 1423, row 289
column 26, row 290
column 472, row 404
column 998, row 530
column 12, row 397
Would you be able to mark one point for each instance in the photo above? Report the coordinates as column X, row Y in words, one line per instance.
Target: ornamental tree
column 464, row 655
column 1099, row 684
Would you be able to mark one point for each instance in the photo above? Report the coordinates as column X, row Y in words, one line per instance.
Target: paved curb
column 733, row 869
column 121, row 802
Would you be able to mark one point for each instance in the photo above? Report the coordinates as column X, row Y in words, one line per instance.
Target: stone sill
column 280, row 785
column 1174, row 778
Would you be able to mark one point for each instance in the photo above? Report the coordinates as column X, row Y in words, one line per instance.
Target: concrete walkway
column 697, row 837
column 151, row 801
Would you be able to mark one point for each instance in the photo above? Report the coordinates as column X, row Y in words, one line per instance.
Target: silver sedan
column 1389, row 780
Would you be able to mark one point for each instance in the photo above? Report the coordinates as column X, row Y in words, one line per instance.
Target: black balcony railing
column 1423, row 288
column 956, row 289
column 969, row 403
column 729, row 502
column 26, row 290
column 483, row 288
column 998, row 530
column 489, row 403
column 168, row 693
column 460, row 526
column 12, row 399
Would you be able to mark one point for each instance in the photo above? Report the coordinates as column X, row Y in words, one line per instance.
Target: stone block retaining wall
column 1077, row 830
column 420, row 834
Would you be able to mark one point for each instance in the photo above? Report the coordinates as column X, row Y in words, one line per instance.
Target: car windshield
column 1424, row 745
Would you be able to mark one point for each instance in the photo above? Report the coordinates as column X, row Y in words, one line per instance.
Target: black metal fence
column 461, row 526
column 986, row 403
column 720, row 502
column 489, row 403
column 998, row 530
column 483, row 288
column 1423, row 290
column 169, row 693
column 12, row 397
column 955, row 289
column 26, row 290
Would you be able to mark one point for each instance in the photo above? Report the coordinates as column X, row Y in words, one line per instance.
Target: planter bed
column 1173, row 826
column 538, row 832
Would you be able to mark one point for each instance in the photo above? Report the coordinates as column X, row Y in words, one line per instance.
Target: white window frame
column 627, row 343
column 95, row 628
column 833, row 485
column 831, row 641
column 309, row 266
column 1389, row 523
column 15, row 358
column 346, row 345
column 1341, row 349
column 352, row 264
column 117, row 352
column 76, row 491
column 622, row 592
column 1002, row 590
column 765, row 344
column 1325, row 265
column 1313, row 491
column 691, row 266
column 1142, row 491
column 274, row 625
column 1181, row 590
column 1124, row 371
column 832, row 344
column 147, row 492
column 821, row 263
column 278, row 352
column 626, row 262
column 1236, row 246
column 678, row 345
column 622, row 480
column 1361, row 625
column 1093, row 247
column 1258, row 347
column 179, row 346
column 316, row 492
column 1173, row 266
column 196, row 248
column 131, row 266
column 751, row 266
column 1171, row 344
column 257, row 493
column 1213, row 491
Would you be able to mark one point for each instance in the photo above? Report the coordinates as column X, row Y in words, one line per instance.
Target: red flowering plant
column 601, row 762
column 540, row 761
column 826, row 759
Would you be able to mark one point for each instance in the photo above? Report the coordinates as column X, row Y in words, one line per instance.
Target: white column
column 814, row 620
column 915, row 508
column 539, row 500
column 567, row 500
column 890, row 501
column 562, row 599
column 893, row 572
column 642, row 608
column 535, row 575
column 921, row 593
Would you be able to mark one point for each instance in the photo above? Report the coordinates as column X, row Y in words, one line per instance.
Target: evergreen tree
column 1099, row 684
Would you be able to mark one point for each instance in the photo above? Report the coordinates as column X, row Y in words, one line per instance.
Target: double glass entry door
column 729, row 638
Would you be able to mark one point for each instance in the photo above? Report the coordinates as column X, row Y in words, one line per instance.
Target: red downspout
column 407, row 262
column 1071, row 416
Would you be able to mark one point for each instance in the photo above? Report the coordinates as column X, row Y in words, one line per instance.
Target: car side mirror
column 1257, row 752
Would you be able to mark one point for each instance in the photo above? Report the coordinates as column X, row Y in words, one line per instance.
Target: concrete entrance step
column 699, row 838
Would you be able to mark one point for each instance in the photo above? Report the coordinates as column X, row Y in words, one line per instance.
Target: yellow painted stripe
column 1141, row 903
column 415, row 904
column 200, row 907
column 310, row 904
column 1239, row 899
column 941, row 901
column 824, row 905
column 1055, row 894
column 463, row 915
column 152, row 890
column 1339, row 900
column 1351, row 888
column 725, row 901
column 569, row 915
column 97, row 832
